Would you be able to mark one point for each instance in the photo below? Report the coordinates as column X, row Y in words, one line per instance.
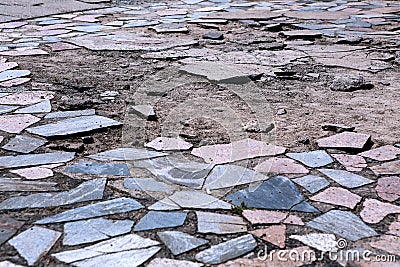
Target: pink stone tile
column 293, row 219
column 264, row 216
column 57, row 26
column 48, row 32
column 346, row 140
column 275, row 235
column 3, row 60
column 352, row 163
column 171, row 12
column 388, row 243
column 388, row 188
column 394, row 229
column 281, row 166
column 26, row 98
column 238, row 150
column 1, row 138
column 375, row 211
column 382, row 153
column 168, row 144
column 60, row 46
column 34, row 173
column 25, row 52
column 16, row 123
column 389, row 168
column 87, row 18
column 338, row 196
column 8, row 66
column 12, row 25
column 14, row 82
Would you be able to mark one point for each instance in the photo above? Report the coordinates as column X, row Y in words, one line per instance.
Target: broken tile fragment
column 227, row 250
column 278, row 193
column 275, row 234
column 337, row 196
column 352, row 163
column 264, row 216
column 81, row 232
column 313, row 159
column 388, row 188
column 16, row 123
column 126, row 153
column 60, row 46
column 160, row 219
column 322, row 242
column 312, row 183
column 109, row 207
column 98, row 168
column 238, row 150
column 143, row 111
column 18, row 185
column 186, row 242
column 389, row 168
column 7, row 109
column 301, row 34
column 8, row 66
column 382, row 153
column 70, row 113
column 165, row 262
column 86, row 191
column 164, row 205
column 35, row 159
column 293, row 219
column 34, row 173
column 281, row 166
column 8, row 227
column 9, row 264
column 24, row 144
column 388, row 243
column 209, row 222
column 25, row 52
column 345, row 178
column 26, row 98
column 41, row 240
column 12, row 74
column 73, row 126
column 375, row 211
column 168, row 144
column 146, row 184
column 345, row 140
column 198, row 200
column 41, row 107
column 342, row 223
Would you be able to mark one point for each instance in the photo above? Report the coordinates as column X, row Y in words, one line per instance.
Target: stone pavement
column 62, row 207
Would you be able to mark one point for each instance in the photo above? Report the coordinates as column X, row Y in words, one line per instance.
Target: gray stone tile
column 277, row 193
column 126, row 153
column 91, row 230
column 34, row 243
column 19, row 185
column 143, row 111
column 99, row 168
column 12, row 74
column 8, row 227
column 164, row 204
column 109, row 207
column 312, row 183
column 227, row 250
column 90, row 190
column 178, row 242
column 345, row 178
column 322, row 242
column 342, row 223
column 70, row 113
column 313, row 159
column 35, row 159
column 198, row 200
column 209, row 222
column 6, row 109
column 159, row 219
column 24, row 144
column 42, row 107
column 73, row 126
column 127, row 250
column 168, row 144
column 146, row 184
column 224, row 176
column 165, row 262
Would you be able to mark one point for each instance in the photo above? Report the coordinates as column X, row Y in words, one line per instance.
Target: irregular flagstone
column 345, row 178
column 224, row 176
column 26, row 98
column 60, row 46
column 9, row 264
column 27, row 52
column 375, row 211
column 42, row 107
column 8, row 227
column 342, row 223
column 18, row 185
column 186, row 242
column 238, row 150
column 109, row 207
column 322, row 242
column 146, row 184
column 394, row 228
column 90, row 190
column 41, row 240
column 227, row 250
column 312, row 183
column 209, row 222
column 245, row 15
column 278, row 193
column 34, row 173
column 315, row 15
column 91, row 230
column 313, row 159
column 301, row 34
column 16, row 123
column 98, row 168
column 353, row 163
column 388, row 188
column 126, row 153
column 198, row 200
column 164, row 262
column 345, row 140
column 275, row 234
column 337, row 196
column 388, row 243
column 8, row 66
column 24, row 144
column 127, row 250
column 264, row 216
column 164, row 204
column 159, row 219
column 70, row 113
column 73, row 126
column 35, row 159
column 6, row 109
column 382, row 153
column 390, row 168
column 144, row 111
column 12, row 74
column 293, row 219
column 281, row 166
column 166, row 144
